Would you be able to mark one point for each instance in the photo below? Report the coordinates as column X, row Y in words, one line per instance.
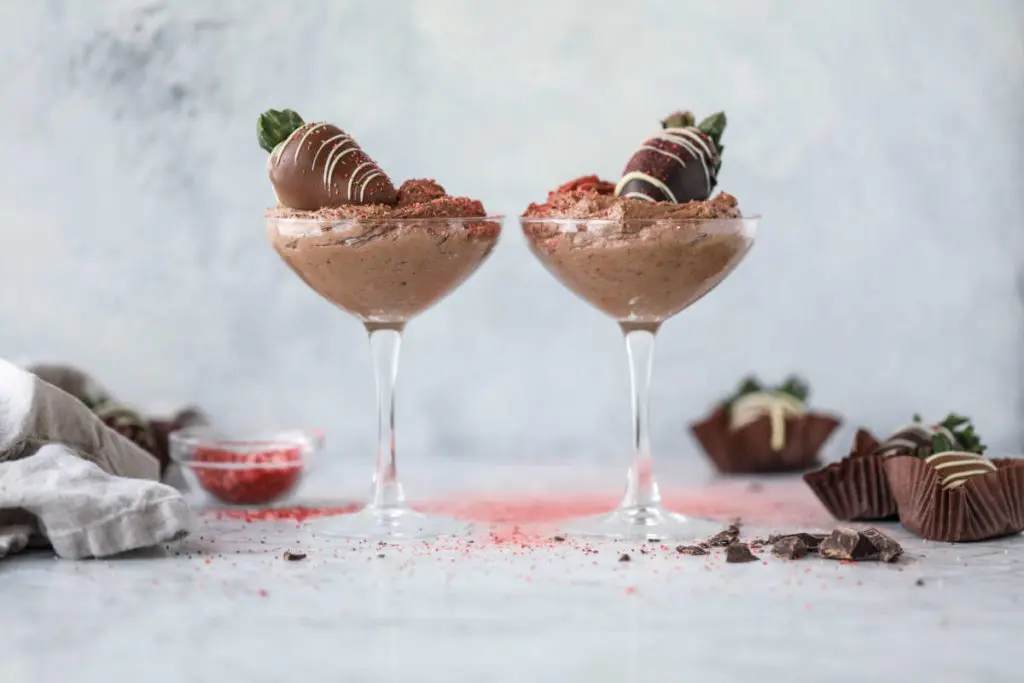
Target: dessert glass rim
column 353, row 220
column 533, row 220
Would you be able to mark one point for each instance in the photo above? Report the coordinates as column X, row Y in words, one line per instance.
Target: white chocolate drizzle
column 340, row 136
column 640, row 175
column 366, row 181
column 313, row 127
column 329, row 164
column 352, row 177
column 777, row 406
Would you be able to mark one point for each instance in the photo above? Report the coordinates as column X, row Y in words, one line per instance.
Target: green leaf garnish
column 713, row 126
column 793, row 386
column 680, row 119
column 963, row 432
column 274, row 126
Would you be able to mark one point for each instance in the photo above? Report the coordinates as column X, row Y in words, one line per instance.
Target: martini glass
column 385, row 272
column 640, row 273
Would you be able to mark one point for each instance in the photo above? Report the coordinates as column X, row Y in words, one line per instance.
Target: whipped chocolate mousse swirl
column 317, row 165
column 678, row 165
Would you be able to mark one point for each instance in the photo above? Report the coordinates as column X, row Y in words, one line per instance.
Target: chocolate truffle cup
column 748, row 450
column 986, row 506
column 856, row 487
column 385, row 272
column 640, row 272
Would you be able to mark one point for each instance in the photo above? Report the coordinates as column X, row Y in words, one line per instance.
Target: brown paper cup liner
column 986, row 506
column 749, row 451
column 855, row 488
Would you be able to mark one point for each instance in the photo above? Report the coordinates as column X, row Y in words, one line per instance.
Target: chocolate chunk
column 738, row 552
column 319, row 165
column 690, row 550
column 888, row 549
column 294, row 557
column 859, row 546
column 723, row 538
column 624, row 557
column 811, row 541
column 790, row 547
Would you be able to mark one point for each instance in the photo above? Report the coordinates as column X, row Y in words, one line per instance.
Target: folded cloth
column 85, row 488
column 150, row 433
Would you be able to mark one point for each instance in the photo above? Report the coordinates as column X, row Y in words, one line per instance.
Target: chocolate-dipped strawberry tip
column 680, row 164
column 317, row 165
column 956, row 453
column 955, row 432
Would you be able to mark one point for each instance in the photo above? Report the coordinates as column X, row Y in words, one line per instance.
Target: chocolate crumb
column 857, row 546
column 558, row 538
column 381, row 556
column 690, row 550
column 738, row 552
column 919, row 582
column 624, row 557
column 294, row 557
column 790, row 547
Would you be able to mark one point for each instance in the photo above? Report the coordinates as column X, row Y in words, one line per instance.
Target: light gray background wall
column 882, row 140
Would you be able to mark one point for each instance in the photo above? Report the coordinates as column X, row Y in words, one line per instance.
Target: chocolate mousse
column 644, row 249
column 382, row 254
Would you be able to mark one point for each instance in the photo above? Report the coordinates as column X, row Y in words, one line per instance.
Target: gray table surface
column 225, row 606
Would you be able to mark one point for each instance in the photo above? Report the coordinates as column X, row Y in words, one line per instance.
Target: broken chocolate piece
column 723, row 538
column 859, row 546
column 690, row 550
column 810, row 541
column 888, row 549
column 738, row 552
column 294, row 557
column 790, row 547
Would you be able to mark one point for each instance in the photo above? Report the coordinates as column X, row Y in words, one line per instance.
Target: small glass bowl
column 249, row 469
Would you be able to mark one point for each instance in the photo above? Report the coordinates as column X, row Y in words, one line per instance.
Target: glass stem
column 386, row 342
column 641, row 488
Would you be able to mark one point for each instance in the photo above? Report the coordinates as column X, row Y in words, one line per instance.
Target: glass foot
column 644, row 523
column 387, row 524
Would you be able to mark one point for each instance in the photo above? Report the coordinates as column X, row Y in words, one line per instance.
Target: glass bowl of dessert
column 243, row 467
column 381, row 254
column 641, row 251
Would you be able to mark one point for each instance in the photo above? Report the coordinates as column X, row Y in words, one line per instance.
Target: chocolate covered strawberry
column 317, row 165
column 678, row 165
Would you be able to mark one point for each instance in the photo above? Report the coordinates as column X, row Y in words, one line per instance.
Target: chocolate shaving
column 859, row 546
column 294, row 557
column 559, row 539
column 738, row 552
